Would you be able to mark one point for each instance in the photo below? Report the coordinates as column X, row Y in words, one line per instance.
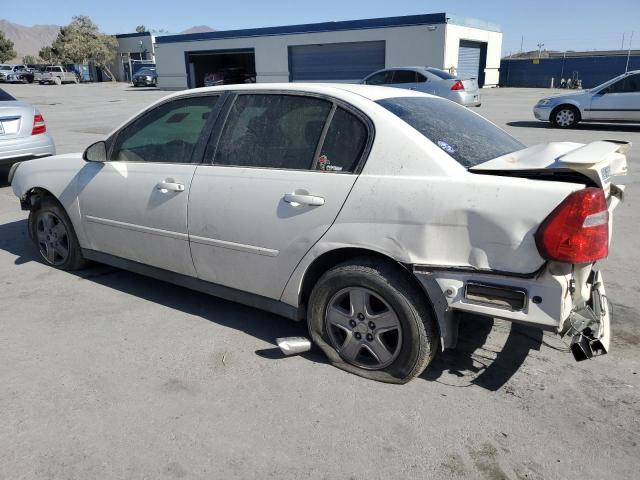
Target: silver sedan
column 23, row 132
column 429, row 80
column 617, row 100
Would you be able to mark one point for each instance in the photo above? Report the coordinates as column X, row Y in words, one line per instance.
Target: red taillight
column 577, row 231
column 458, row 85
column 38, row 125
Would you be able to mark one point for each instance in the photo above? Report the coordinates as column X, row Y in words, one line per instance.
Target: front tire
column 57, row 81
column 565, row 116
column 53, row 234
column 371, row 320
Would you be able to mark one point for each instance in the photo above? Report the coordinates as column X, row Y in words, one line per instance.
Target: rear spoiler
column 595, row 152
column 603, row 161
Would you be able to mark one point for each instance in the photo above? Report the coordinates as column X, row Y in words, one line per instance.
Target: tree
column 6, row 48
column 30, row 60
column 141, row 29
column 82, row 42
column 47, row 55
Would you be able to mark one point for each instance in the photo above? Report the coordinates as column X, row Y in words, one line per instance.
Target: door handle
column 299, row 198
column 170, row 185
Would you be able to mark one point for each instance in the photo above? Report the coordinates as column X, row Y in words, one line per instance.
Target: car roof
column 371, row 92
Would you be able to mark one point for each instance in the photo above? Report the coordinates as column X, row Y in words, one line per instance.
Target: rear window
column 5, row 97
column 465, row 136
column 441, row 73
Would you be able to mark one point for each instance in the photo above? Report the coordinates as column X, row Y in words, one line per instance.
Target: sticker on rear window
column 446, row 147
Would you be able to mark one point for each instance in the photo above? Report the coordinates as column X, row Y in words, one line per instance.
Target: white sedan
column 375, row 214
column 617, row 100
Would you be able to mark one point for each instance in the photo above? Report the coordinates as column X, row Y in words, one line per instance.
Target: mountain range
column 29, row 40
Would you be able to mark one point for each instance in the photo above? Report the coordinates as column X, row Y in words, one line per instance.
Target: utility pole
column 521, row 43
column 622, row 46
column 626, row 68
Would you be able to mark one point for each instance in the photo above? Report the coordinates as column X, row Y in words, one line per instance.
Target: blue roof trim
column 428, row 19
column 131, row 35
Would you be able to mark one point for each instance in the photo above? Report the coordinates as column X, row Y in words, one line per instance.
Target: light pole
column 626, row 68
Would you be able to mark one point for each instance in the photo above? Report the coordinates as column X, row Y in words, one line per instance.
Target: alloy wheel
column 53, row 238
column 363, row 328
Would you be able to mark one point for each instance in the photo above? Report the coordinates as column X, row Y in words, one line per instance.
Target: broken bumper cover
column 547, row 300
column 589, row 327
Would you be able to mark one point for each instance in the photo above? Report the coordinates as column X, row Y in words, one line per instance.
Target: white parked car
column 617, row 100
column 373, row 213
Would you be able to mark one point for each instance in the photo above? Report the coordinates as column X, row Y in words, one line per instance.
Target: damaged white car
column 376, row 215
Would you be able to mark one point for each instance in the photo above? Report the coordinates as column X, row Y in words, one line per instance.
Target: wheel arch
column 568, row 103
column 331, row 258
column 34, row 195
column 31, row 201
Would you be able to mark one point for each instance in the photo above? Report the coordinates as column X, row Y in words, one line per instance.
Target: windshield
column 466, row 137
column 5, row 67
column 145, row 71
column 5, row 97
column 441, row 73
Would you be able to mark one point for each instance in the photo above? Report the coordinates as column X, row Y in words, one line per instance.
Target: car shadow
column 601, row 127
column 141, row 89
column 473, row 333
column 467, row 359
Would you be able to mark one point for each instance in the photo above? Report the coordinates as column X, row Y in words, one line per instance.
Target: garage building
column 343, row 51
column 134, row 51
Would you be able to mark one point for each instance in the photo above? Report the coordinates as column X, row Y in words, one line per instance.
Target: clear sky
column 559, row 24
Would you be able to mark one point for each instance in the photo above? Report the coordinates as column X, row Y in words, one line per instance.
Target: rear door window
column 344, row 143
column 404, row 76
column 382, row 78
column 465, row 136
column 272, row 131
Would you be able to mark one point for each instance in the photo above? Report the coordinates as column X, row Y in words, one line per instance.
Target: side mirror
column 96, row 152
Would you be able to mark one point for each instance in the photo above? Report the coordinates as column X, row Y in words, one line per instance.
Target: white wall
column 455, row 33
column 413, row 45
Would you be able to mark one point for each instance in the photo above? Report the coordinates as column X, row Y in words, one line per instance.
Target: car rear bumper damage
column 548, row 299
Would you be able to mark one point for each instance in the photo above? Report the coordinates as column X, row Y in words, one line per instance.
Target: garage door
column 335, row 61
column 470, row 60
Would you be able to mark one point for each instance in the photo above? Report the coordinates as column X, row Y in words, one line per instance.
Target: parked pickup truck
column 56, row 74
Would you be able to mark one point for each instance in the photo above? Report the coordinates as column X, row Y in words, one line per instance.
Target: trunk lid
column 14, row 119
column 603, row 163
column 470, row 84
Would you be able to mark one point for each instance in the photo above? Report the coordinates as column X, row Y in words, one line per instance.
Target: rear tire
column 371, row 320
column 565, row 116
column 52, row 232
